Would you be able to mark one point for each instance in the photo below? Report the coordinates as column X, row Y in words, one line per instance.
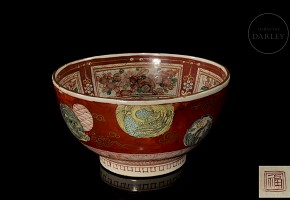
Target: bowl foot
column 142, row 169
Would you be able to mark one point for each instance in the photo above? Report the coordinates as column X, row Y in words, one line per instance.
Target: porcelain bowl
column 141, row 112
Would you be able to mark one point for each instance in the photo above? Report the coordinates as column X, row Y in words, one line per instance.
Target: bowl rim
column 187, row 98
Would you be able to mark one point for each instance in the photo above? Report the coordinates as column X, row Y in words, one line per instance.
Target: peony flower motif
column 117, row 77
column 127, row 82
column 145, row 88
column 158, row 91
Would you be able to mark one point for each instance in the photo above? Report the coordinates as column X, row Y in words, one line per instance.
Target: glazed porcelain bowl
column 141, row 112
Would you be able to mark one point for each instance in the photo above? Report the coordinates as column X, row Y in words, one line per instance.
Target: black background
column 251, row 131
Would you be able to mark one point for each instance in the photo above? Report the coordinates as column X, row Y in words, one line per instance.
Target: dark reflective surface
column 140, row 184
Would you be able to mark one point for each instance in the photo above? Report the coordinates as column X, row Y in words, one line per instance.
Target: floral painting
column 206, row 80
column 72, row 82
column 137, row 82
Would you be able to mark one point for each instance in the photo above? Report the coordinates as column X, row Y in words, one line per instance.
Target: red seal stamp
column 274, row 181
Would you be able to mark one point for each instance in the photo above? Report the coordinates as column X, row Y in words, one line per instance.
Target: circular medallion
column 197, row 131
column 145, row 121
column 73, row 123
column 84, row 116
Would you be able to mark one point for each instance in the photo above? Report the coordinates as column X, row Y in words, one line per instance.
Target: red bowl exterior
column 107, row 135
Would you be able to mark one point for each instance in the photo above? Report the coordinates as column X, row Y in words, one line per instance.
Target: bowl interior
column 140, row 76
